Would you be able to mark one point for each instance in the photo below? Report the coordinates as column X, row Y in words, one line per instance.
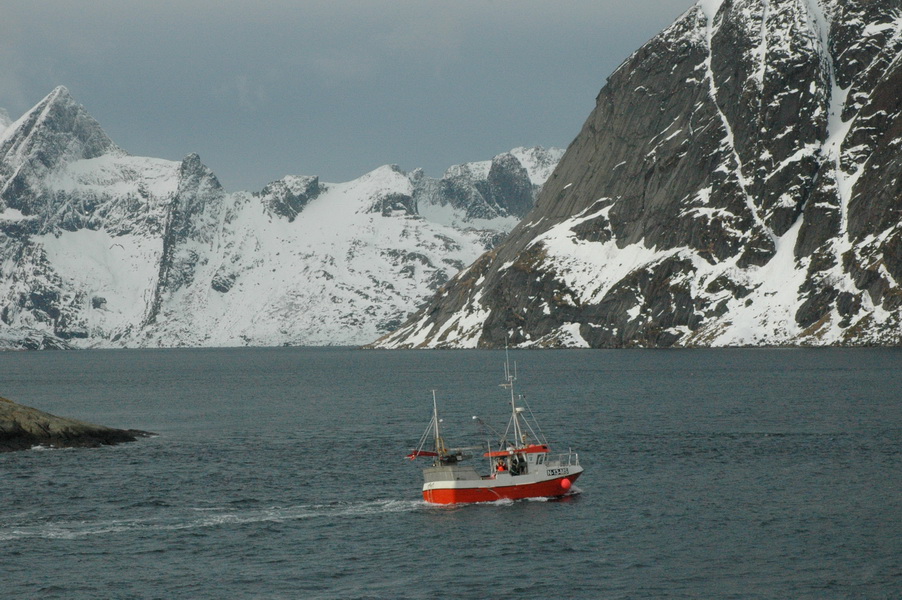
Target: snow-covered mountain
column 100, row 248
column 739, row 182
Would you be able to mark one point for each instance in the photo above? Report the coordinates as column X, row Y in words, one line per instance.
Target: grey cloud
column 331, row 88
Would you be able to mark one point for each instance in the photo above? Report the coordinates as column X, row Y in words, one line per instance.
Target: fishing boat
column 520, row 465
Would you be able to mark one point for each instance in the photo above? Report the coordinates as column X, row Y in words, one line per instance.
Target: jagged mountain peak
column 473, row 193
column 59, row 94
column 55, row 132
column 57, row 128
column 193, row 172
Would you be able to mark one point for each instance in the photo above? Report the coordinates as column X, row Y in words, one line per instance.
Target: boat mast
column 511, row 376
column 439, row 442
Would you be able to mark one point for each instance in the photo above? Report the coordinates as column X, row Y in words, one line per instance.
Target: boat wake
column 178, row 519
column 202, row 517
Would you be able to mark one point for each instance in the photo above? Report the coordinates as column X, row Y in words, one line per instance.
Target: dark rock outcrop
column 23, row 427
column 509, row 185
column 288, row 196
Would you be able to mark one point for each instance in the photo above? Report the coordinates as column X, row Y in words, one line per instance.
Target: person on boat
column 518, row 465
column 500, row 468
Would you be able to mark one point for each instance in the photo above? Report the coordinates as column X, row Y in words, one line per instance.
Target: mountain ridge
column 99, row 248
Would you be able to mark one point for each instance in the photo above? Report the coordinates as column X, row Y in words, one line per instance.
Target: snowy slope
column 100, row 248
column 738, row 183
column 338, row 275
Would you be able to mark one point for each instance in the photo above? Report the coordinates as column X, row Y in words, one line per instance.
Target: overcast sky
column 333, row 88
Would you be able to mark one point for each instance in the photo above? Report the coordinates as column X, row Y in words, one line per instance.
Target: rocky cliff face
column 738, row 183
column 100, row 248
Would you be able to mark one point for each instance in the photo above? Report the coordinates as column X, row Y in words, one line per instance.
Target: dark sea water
column 280, row 473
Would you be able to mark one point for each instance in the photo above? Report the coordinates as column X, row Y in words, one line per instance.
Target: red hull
column 544, row 489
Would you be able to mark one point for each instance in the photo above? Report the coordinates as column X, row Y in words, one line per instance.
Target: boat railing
column 566, row 459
